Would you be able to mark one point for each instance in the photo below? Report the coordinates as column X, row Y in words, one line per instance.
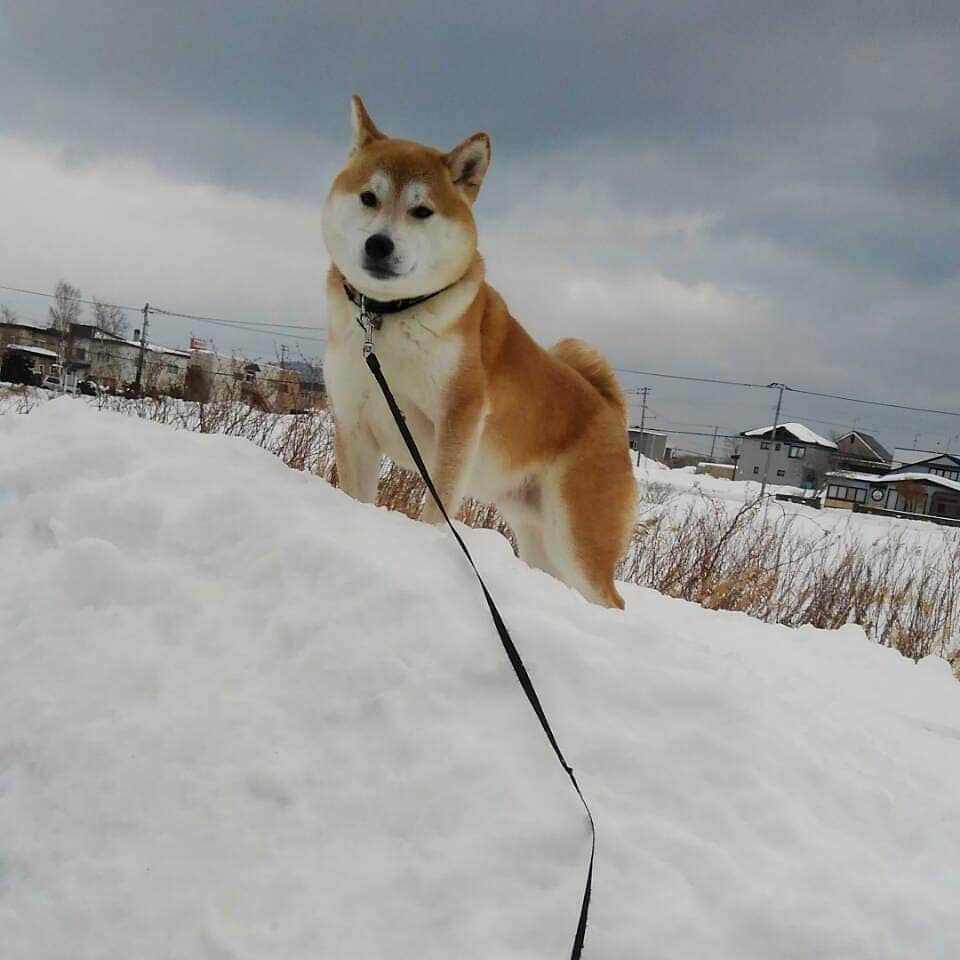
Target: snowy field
column 243, row 716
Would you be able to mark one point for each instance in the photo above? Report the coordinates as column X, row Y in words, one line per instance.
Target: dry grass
column 755, row 559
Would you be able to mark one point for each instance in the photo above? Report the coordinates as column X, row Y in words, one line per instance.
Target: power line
column 53, row 296
column 254, row 326
column 875, row 403
column 264, row 327
column 237, row 323
column 677, row 376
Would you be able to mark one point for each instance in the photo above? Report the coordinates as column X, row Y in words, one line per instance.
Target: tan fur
column 540, row 433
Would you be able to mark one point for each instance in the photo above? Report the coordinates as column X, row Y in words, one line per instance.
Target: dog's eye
column 368, row 199
column 421, row 212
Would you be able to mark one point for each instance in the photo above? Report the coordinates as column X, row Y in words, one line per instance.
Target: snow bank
column 242, row 716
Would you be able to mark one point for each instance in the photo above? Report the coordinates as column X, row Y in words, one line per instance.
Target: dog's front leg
column 358, row 462
column 456, row 446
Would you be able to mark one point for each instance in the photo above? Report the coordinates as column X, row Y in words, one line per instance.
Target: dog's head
column 398, row 219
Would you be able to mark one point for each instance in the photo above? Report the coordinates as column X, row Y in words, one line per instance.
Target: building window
column 777, row 446
column 838, row 491
column 796, row 453
column 79, row 353
column 765, row 445
column 781, row 473
column 283, row 387
column 172, row 368
column 756, row 469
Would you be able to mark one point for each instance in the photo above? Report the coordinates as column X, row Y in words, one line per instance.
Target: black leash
column 365, row 320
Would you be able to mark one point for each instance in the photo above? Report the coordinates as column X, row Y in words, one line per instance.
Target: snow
column 803, row 433
column 27, row 348
column 244, row 716
column 922, row 476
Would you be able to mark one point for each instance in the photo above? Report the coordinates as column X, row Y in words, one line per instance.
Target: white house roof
column 151, row 347
column 39, row 351
column 852, row 475
column 922, row 477
column 799, row 431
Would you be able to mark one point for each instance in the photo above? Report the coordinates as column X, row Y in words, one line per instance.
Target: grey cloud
column 798, row 156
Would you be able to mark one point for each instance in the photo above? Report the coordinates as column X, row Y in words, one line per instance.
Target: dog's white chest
column 418, row 360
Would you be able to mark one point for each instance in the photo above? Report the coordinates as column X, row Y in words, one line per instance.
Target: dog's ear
column 468, row 164
column 364, row 129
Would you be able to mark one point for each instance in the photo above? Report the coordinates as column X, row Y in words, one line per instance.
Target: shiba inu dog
column 540, row 433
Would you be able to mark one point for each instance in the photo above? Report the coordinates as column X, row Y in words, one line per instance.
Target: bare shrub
column 757, row 562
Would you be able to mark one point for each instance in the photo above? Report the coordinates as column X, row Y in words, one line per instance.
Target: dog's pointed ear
column 468, row 164
column 364, row 129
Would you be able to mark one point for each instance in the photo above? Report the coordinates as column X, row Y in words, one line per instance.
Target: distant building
column 863, row 453
column 798, row 456
column 651, row 443
column 903, row 456
column 30, row 352
column 930, row 488
column 212, row 375
column 112, row 362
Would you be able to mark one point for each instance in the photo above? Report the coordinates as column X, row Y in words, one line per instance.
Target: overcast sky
column 756, row 191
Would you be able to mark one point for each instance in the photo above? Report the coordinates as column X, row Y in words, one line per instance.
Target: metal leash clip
column 367, row 322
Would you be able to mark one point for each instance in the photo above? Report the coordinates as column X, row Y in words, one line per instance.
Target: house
column 651, row 443
column 112, row 361
column 798, row 456
column 87, row 352
column 862, row 453
column 313, row 390
column 930, row 488
column 213, row 375
column 902, row 456
column 28, row 352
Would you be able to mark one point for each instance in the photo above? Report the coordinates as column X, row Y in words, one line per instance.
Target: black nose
column 379, row 246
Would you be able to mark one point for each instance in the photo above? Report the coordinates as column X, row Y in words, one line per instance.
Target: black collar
column 383, row 307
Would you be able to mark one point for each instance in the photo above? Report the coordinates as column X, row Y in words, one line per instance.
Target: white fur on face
column 428, row 254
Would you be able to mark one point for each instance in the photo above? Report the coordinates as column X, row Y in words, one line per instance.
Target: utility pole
column 776, row 423
column 644, row 393
column 283, row 356
column 713, row 443
column 138, row 383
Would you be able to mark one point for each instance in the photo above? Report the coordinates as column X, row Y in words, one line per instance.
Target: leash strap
column 508, row 645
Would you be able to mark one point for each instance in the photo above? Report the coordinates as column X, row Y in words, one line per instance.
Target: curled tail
column 592, row 365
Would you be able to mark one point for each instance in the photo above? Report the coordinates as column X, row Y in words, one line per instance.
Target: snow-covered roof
column 851, row 475
column 922, row 477
column 798, row 430
column 26, row 348
column 151, row 347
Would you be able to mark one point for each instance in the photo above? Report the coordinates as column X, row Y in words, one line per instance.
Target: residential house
column 862, row 453
column 650, row 443
column 313, row 390
column 112, row 362
column 213, row 375
column 930, row 488
column 798, row 456
column 28, row 352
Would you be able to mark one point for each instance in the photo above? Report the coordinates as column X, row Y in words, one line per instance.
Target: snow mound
column 242, row 716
